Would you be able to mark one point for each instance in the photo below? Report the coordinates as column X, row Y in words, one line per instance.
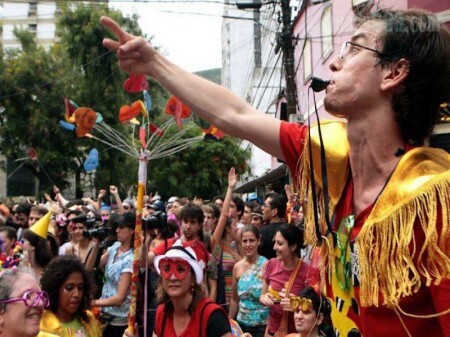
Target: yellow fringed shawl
column 418, row 192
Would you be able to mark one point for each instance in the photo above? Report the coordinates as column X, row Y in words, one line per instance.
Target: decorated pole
column 142, row 179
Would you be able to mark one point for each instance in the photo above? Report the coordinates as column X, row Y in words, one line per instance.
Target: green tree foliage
column 201, row 170
column 34, row 82
column 31, row 99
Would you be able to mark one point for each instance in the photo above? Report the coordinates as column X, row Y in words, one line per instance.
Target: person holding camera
column 82, row 242
column 117, row 261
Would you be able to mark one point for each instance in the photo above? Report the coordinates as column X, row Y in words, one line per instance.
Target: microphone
column 318, row 85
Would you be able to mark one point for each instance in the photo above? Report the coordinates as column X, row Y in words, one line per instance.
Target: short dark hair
column 218, row 197
column 192, row 211
column 75, row 212
column 240, row 205
column 39, row 209
column 292, row 235
column 11, row 233
column 279, row 202
column 417, row 36
column 24, row 208
column 57, row 272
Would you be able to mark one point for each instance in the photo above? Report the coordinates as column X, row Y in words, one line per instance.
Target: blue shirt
column 115, row 267
column 249, row 287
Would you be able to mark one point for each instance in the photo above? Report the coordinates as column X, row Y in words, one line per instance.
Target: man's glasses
column 342, row 263
column 301, row 303
column 348, row 47
column 126, row 207
column 31, row 298
column 180, row 268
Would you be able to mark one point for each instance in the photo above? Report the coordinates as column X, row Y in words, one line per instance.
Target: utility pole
column 257, row 37
column 284, row 41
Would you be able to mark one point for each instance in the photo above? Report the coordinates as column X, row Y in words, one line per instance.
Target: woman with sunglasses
column 283, row 276
column 312, row 315
column 22, row 303
column 70, row 290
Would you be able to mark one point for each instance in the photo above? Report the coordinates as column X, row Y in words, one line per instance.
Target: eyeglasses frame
column 341, row 54
column 42, row 296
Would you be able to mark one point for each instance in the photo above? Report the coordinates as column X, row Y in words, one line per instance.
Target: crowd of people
column 81, row 259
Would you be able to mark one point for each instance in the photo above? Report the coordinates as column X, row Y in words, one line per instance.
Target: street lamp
column 255, row 4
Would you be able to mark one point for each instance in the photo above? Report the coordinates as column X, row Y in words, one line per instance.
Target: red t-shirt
column 199, row 323
column 376, row 321
column 198, row 247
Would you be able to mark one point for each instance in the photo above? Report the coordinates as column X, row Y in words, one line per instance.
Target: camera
column 99, row 232
column 157, row 220
column 87, row 221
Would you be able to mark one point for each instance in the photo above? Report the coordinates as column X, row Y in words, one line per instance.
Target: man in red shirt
column 389, row 194
column 191, row 235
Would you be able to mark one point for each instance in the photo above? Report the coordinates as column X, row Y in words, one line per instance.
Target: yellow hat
column 41, row 227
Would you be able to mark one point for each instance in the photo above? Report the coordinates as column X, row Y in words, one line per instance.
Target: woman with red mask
column 184, row 311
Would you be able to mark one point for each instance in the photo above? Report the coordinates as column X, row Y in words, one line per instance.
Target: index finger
column 114, row 27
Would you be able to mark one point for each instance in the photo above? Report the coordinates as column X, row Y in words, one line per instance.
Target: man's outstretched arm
column 210, row 101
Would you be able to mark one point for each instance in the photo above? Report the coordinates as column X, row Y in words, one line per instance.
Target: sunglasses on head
column 301, row 303
column 168, row 267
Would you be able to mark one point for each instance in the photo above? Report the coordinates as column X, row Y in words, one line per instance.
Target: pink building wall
column 430, row 5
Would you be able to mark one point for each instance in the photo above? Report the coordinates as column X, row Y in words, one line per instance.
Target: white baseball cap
column 184, row 253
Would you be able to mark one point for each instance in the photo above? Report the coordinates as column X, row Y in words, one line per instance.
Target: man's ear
column 320, row 319
column 274, row 211
column 394, row 74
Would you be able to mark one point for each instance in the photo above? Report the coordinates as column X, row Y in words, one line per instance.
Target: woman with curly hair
column 70, row 291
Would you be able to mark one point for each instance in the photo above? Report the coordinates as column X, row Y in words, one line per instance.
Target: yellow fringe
column 305, row 193
column 387, row 264
column 398, row 272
